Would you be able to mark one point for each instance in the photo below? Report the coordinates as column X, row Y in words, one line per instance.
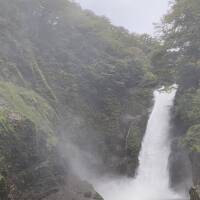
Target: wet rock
column 195, row 193
column 75, row 189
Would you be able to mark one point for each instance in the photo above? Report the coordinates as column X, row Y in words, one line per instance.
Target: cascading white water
column 152, row 179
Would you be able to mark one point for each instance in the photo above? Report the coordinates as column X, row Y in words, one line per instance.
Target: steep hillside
column 84, row 67
column 68, row 76
column 30, row 165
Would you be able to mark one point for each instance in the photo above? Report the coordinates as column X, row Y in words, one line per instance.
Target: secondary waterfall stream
column 152, row 179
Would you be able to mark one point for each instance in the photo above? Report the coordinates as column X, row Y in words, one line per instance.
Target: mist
column 81, row 115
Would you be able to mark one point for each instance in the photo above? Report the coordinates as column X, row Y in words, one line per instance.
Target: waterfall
column 152, row 179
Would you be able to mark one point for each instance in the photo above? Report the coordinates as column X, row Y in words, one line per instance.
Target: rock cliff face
column 195, row 193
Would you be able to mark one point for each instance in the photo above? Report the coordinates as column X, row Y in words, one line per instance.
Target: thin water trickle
column 152, row 179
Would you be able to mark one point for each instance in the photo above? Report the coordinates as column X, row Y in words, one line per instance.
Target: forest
column 76, row 93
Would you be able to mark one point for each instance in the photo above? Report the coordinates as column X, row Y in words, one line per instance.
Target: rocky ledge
column 195, row 193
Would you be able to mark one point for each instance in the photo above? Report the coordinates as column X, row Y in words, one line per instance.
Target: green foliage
column 180, row 53
column 10, row 72
column 41, row 83
column 97, row 196
column 179, row 56
column 163, row 65
column 134, row 141
column 82, row 65
column 5, row 125
column 181, row 27
column 22, row 148
column 192, row 139
column 3, row 188
column 27, row 103
column 188, row 107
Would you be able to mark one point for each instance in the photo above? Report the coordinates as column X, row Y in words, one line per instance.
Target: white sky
column 135, row 15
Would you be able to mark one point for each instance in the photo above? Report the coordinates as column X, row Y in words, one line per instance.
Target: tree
column 181, row 28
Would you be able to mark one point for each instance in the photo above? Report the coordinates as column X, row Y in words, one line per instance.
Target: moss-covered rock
column 31, row 163
column 17, row 102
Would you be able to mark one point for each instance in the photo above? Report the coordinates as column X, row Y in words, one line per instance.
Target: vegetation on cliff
column 180, row 58
column 85, row 68
column 66, row 72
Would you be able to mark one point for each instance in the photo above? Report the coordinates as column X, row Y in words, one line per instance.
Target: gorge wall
column 68, row 77
column 179, row 57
